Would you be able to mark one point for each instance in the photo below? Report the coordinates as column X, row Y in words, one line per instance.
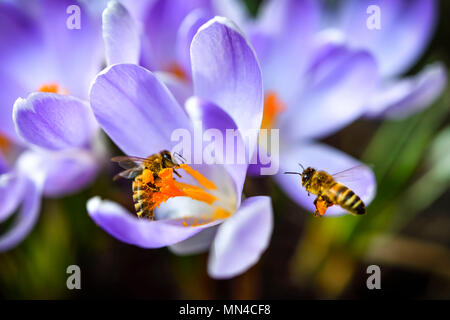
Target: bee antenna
column 301, row 166
column 179, row 156
column 290, row 172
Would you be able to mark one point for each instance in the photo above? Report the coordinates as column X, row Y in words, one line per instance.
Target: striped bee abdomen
column 142, row 198
column 346, row 198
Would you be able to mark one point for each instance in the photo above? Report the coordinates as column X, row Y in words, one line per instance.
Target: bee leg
column 152, row 187
column 321, row 203
column 316, row 211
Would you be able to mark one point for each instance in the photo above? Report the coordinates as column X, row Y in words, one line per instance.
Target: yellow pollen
column 170, row 188
column 177, row 71
column 218, row 214
column 272, row 108
column 167, row 188
column 52, row 87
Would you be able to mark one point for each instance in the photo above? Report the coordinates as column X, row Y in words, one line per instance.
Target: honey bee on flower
column 190, row 208
column 153, row 181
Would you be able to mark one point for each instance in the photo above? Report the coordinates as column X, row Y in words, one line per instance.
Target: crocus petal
column 199, row 243
column 405, row 30
column 120, row 34
column 321, row 157
column 26, row 218
column 75, row 53
column 65, row 171
column 338, row 85
column 180, row 88
column 211, row 117
column 161, row 23
column 19, row 47
column 137, row 8
column 225, row 71
column 11, row 193
column 283, row 40
column 39, row 48
column 122, row 225
column 188, row 28
column 234, row 10
column 54, row 121
column 3, row 164
column 241, row 240
column 409, row 95
column 11, row 89
column 127, row 98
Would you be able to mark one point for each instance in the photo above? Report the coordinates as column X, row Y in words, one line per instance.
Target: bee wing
column 352, row 174
column 127, row 174
column 127, row 162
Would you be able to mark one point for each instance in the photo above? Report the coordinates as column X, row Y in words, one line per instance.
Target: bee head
column 167, row 159
column 307, row 175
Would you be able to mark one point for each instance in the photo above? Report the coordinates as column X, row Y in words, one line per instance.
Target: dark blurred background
column 405, row 232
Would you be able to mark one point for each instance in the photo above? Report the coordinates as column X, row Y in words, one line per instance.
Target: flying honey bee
column 145, row 173
column 329, row 191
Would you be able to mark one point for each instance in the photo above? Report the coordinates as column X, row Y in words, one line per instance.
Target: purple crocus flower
column 152, row 31
column 400, row 33
column 322, row 70
column 45, row 72
column 157, row 35
column 139, row 114
column 406, row 27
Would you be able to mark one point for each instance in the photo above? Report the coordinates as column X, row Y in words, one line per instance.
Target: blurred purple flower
column 406, row 28
column 152, row 34
column 323, row 70
column 160, row 33
column 48, row 147
column 139, row 114
column 157, row 35
column 313, row 88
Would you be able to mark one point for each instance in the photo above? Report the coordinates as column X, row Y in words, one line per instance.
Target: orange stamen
column 4, row 144
column 170, row 188
column 177, row 71
column 52, row 87
column 167, row 188
column 199, row 194
column 196, row 193
column 272, row 108
column 205, row 182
